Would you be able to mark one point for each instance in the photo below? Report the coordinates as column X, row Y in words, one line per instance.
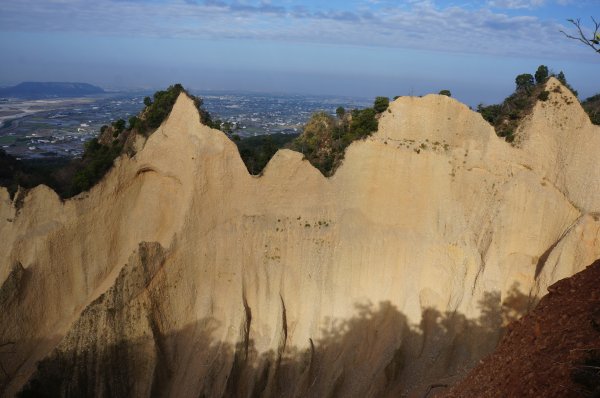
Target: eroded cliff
column 180, row 274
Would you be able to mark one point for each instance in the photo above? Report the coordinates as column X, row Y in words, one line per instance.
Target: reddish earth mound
column 552, row 352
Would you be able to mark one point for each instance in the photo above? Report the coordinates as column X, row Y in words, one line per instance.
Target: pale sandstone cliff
column 181, row 275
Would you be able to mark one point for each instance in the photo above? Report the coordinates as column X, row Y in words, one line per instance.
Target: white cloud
column 419, row 25
column 516, row 4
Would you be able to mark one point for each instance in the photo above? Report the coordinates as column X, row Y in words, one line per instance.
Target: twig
column 432, row 386
column 594, row 42
column 585, row 349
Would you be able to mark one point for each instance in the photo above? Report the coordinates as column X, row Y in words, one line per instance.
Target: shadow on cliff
column 377, row 352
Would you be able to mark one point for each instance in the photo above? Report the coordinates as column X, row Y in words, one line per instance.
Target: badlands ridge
column 181, row 275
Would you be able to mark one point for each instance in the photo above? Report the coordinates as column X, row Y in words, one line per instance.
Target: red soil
column 552, row 352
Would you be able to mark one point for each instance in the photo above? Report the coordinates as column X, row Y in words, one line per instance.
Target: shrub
column 363, row 123
column 543, row 96
column 381, row 104
column 133, row 121
column 325, row 138
column 97, row 160
column 119, row 125
column 490, row 112
column 446, row 93
column 162, row 105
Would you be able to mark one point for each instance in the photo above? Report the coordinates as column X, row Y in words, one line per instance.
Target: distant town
column 58, row 127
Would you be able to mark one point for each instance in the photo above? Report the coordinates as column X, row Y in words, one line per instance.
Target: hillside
column 180, row 274
column 39, row 90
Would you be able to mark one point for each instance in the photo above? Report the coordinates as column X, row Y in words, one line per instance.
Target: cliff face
column 182, row 275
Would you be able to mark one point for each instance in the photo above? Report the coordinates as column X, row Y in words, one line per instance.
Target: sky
column 361, row 48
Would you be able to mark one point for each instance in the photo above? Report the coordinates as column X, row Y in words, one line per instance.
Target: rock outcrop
column 180, row 275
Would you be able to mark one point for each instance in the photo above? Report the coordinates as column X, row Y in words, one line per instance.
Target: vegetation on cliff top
column 323, row 142
column 507, row 116
column 257, row 151
column 69, row 177
column 325, row 137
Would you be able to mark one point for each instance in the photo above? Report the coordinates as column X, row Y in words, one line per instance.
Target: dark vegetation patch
column 592, row 107
column 257, row 151
column 325, row 137
column 28, row 173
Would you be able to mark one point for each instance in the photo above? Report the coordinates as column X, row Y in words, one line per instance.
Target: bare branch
column 592, row 41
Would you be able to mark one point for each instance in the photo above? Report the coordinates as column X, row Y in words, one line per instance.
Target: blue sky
column 351, row 47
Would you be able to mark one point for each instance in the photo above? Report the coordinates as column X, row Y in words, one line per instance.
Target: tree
column 447, row 93
column 363, row 122
column 592, row 40
column 490, row 112
column 562, row 78
column 524, row 81
column 147, row 101
column 133, row 121
column 340, row 112
column 381, row 104
column 119, row 125
column 541, row 75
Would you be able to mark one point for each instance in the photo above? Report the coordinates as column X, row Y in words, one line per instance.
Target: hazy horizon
column 344, row 48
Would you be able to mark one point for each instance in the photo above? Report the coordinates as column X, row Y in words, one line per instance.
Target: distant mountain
column 32, row 90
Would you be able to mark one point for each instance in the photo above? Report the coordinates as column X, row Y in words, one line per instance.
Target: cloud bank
column 491, row 28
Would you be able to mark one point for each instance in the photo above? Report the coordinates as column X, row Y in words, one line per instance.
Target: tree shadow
column 375, row 353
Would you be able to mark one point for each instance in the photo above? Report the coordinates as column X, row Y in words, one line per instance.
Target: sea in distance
column 60, row 127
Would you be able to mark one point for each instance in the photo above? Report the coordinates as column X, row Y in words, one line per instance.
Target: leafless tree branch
column 592, row 41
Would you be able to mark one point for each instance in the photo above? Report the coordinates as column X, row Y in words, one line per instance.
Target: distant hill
column 32, row 90
column 592, row 107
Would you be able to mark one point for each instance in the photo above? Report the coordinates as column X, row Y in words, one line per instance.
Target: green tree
column 340, row 112
column 524, row 81
column 446, row 93
column 381, row 104
column 563, row 79
column 490, row 112
column 147, row 101
column 541, row 75
column 133, row 122
column 363, row 123
column 119, row 125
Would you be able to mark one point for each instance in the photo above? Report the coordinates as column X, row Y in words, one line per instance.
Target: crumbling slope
column 552, row 352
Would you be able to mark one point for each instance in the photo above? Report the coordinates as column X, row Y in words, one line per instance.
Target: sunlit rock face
column 181, row 275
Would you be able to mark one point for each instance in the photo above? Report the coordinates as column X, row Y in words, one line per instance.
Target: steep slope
column 181, row 275
column 550, row 352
